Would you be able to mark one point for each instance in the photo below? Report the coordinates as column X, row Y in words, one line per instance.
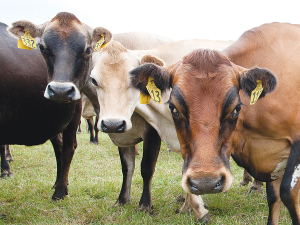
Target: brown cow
column 210, row 104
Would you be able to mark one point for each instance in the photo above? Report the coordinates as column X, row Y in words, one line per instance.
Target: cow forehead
column 69, row 31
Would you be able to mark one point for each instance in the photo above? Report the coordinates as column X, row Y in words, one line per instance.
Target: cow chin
column 63, row 92
column 199, row 183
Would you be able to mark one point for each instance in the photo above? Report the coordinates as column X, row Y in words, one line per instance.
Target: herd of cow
column 215, row 104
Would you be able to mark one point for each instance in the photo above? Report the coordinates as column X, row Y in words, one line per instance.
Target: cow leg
column 290, row 185
column 79, row 128
column 246, row 179
column 5, row 168
column 127, row 157
column 256, row 186
column 8, row 154
column 96, row 140
column 197, row 204
column 64, row 158
column 90, row 123
column 151, row 149
column 274, row 201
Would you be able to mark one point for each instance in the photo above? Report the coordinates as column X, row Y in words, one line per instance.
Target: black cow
column 37, row 104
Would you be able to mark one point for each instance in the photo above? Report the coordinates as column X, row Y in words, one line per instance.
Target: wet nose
column 206, row 185
column 113, row 126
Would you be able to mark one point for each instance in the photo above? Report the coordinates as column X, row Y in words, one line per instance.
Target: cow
column 216, row 115
column 120, row 102
column 40, row 93
column 132, row 41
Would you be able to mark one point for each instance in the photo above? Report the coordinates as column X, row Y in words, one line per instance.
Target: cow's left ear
column 152, row 59
column 98, row 33
column 248, row 80
column 18, row 28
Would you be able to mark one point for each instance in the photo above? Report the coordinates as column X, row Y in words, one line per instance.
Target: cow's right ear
column 98, row 33
column 18, row 28
column 141, row 74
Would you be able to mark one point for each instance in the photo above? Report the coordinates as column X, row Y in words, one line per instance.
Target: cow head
column 110, row 77
column 205, row 105
column 65, row 43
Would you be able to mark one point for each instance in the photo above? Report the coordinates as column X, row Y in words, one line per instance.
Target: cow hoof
column 59, row 195
column 205, row 219
column 145, row 208
column 119, row 203
column 94, row 142
column 4, row 174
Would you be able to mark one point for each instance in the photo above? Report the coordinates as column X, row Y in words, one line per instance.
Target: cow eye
column 88, row 51
column 235, row 113
column 94, row 82
column 173, row 109
column 41, row 47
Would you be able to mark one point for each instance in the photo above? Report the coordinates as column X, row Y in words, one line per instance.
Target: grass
column 94, row 184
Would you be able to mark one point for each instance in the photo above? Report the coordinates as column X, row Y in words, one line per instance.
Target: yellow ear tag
column 154, row 92
column 22, row 46
column 28, row 42
column 144, row 99
column 99, row 44
column 256, row 92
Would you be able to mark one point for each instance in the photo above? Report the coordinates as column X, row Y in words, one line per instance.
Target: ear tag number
column 100, row 44
column 27, row 42
column 144, row 99
column 256, row 92
column 154, row 92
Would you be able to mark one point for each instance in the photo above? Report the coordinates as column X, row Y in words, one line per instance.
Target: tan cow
column 119, row 100
column 212, row 103
column 130, row 40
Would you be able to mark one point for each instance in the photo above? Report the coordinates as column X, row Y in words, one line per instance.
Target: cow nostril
column 103, row 126
column 192, row 185
column 50, row 91
column 122, row 126
column 220, row 183
column 71, row 92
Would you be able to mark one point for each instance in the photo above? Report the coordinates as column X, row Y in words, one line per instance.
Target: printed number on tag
column 256, row 92
column 154, row 92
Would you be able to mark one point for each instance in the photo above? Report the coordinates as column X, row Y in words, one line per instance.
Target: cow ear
column 18, row 28
column 141, row 74
column 248, row 80
column 152, row 59
column 97, row 34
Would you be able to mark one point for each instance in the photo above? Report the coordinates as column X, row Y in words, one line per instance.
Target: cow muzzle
column 113, row 126
column 63, row 92
column 210, row 183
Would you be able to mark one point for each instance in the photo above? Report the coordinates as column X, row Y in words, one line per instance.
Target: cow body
column 120, row 101
column 40, row 93
column 210, row 105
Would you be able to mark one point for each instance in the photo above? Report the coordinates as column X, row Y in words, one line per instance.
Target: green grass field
column 94, row 185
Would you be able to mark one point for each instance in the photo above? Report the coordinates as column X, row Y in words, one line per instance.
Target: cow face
column 110, row 77
column 65, row 43
column 205, row 105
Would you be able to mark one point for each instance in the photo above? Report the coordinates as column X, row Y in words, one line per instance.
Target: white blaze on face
column 295, row 177
column 279, row 171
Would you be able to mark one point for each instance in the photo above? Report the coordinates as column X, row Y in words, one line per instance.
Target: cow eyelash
column 43, row 50
column 94, row 82
column 235, row 113
column 88, row 51
column 173, row 110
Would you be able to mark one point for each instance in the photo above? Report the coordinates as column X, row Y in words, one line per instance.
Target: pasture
column 94, row 184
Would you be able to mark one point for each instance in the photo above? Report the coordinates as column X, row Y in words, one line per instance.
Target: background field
column 94, row 185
